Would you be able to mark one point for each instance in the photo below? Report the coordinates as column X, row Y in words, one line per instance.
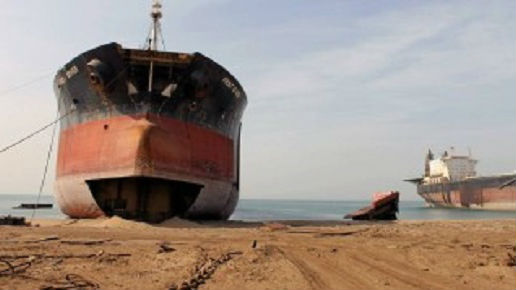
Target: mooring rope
column 49, row 153
column 44, row 177
column 26, row 84
column 35, row 132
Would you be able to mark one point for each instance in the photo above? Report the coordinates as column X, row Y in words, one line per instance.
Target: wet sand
column 119, row 254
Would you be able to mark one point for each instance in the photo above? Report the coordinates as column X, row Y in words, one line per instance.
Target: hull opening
column 144, row 198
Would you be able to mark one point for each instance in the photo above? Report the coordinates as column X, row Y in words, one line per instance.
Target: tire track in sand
column 318, row 273
column 397, row 271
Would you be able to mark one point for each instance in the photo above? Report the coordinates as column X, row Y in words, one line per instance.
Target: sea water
column 249, row 209
column 8, row 201
column 266, row 209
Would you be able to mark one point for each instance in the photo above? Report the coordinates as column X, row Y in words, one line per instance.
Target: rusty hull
column 148, row 151
column 475, row 193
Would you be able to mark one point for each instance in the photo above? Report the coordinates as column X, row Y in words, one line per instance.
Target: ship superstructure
column 448, row 168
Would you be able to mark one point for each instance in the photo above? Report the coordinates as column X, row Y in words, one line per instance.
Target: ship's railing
column 147, row 56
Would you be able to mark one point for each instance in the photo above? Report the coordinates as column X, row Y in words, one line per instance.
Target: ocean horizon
column 282, row 209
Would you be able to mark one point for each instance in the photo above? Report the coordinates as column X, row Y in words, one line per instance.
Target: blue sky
column 345, row 97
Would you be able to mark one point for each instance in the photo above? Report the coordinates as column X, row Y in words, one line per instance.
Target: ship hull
column 147, row 135
column 486, row 193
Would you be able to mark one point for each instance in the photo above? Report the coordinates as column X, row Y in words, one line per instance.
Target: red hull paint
column 381, row 198
column 147, row 151
column 482, row 198
column 383, row 207
column 145, row 145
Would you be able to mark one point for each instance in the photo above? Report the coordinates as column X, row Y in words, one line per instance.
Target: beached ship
column 452, row 181
column 148, row 134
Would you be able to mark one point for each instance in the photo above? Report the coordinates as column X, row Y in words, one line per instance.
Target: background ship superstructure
column 148, row 134
column 452, row 181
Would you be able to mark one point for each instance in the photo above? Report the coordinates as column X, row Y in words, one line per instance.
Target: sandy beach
column 119, row 254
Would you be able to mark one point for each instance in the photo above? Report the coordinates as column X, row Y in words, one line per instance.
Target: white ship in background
column 452, row 181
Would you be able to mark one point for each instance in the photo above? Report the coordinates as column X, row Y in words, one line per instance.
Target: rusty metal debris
column 12, row 220
column 335, row 234
column 165, row 247
column 511, row 261
column 13, row 269
column 66, row 256
column 85, row 242
column 44, row 239
column 204, row 272
column 72, row 282
column 317, row 234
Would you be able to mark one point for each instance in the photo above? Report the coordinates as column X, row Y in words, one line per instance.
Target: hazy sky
column 345, row 97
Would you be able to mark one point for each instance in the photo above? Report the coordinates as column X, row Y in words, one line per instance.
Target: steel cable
column 49, row 154
column 35, row 132
column 25, row 84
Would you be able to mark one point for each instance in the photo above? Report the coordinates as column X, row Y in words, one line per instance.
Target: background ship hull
column 147, row 154
column 475, row 193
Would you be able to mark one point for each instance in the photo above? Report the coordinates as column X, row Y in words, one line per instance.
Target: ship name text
column 226, row 81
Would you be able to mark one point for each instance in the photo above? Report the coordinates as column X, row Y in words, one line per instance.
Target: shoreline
column 257, row 223
column 259, row 210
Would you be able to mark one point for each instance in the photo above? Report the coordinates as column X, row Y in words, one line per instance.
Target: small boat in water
column 33, row 206
column 383, row 207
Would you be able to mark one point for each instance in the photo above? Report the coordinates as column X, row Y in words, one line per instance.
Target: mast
column 154, row 34
column 156, row 24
